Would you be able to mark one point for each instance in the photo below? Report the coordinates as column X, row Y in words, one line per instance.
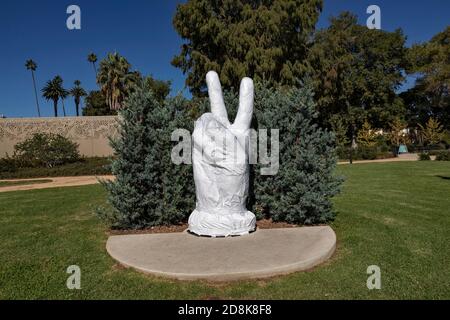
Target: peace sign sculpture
column 221, row 169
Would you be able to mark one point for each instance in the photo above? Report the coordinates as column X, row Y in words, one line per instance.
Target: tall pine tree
column 262, row 39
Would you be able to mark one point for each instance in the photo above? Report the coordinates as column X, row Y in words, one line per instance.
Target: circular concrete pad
column 264, row 253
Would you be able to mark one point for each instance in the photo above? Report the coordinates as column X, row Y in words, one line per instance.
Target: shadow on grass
column 443, row 177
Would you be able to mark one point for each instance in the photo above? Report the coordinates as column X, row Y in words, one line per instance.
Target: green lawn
column 394, row 215
column 22, row 182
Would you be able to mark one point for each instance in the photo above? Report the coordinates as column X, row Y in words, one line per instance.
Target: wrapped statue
column 220, row 158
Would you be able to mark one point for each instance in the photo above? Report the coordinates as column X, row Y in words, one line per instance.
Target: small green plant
column 367, row 136
column 424, row 156
column 366, row 152
column 46, row 150
column 8, row 165
column 443, row 155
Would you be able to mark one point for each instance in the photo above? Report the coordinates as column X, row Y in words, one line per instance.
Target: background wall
column 91, row 133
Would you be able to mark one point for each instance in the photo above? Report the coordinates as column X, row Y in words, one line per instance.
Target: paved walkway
column 402, row 157
column 86, row 180
column 263, row 253
column 55, row 183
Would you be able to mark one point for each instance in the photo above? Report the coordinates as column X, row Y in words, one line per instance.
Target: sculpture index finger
column 245, row 111
column 215, row 96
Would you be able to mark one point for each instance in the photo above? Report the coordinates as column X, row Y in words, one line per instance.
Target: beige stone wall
column 91, row 133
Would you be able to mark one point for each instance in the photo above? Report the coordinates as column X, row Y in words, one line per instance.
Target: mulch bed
column 261, row 224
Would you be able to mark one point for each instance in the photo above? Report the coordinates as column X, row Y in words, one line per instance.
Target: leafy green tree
column 432, row 133
column 356, row 72
column 77, row 93
column 31, row 65
column 160, row 89
column 92, row 58
column 340, row 129
column 430, row 61
column 396, row 132
column 95, row 105
column 54, row 90
column 116, row 79
column 46, row 150
column 367, row 136
column 262, row 39
column 149, row 189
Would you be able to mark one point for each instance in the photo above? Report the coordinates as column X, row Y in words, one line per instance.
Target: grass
column 85, row 167
column 22, row 182
column 394, row 215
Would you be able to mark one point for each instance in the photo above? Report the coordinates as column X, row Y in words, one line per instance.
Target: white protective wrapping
column 220, row 162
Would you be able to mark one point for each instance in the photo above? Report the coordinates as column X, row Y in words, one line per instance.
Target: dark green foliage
column 46, row 150
column 366, row 153
column 149, row 189
column 434, row 151
column 83, row 167
column 356, row 72
column 424, row 156
column 429, row 63
column 96, row 105
column 443, row 155
column 96, row 100
column 160, row 88
column 8, row 165
column 265, row 40
column 301, row 191
column 54, row 91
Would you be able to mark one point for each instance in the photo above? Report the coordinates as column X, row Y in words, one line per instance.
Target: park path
column 402, row 157
column 55, row 183
column 58, row 182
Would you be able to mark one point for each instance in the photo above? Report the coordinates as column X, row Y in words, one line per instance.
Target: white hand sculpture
column 220, row 162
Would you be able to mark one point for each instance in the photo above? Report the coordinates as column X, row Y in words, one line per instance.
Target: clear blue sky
column 142, row 31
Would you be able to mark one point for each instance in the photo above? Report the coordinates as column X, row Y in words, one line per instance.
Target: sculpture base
column 265, row 253
column 216, row 225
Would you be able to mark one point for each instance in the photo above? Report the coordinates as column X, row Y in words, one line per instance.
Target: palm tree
column 53, row 90
column 116, row 80
column 31, row 65
column 77, row 92
column 92, row 58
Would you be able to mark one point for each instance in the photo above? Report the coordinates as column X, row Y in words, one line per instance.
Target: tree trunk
column 95, row 70
column 64, row 108
column 55, row 107
column 35, row 94
column 76, row 107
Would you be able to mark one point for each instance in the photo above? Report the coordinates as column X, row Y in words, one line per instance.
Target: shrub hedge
column 424, row 156
column 45, row 150
column 83, row 167
column 443, row 156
